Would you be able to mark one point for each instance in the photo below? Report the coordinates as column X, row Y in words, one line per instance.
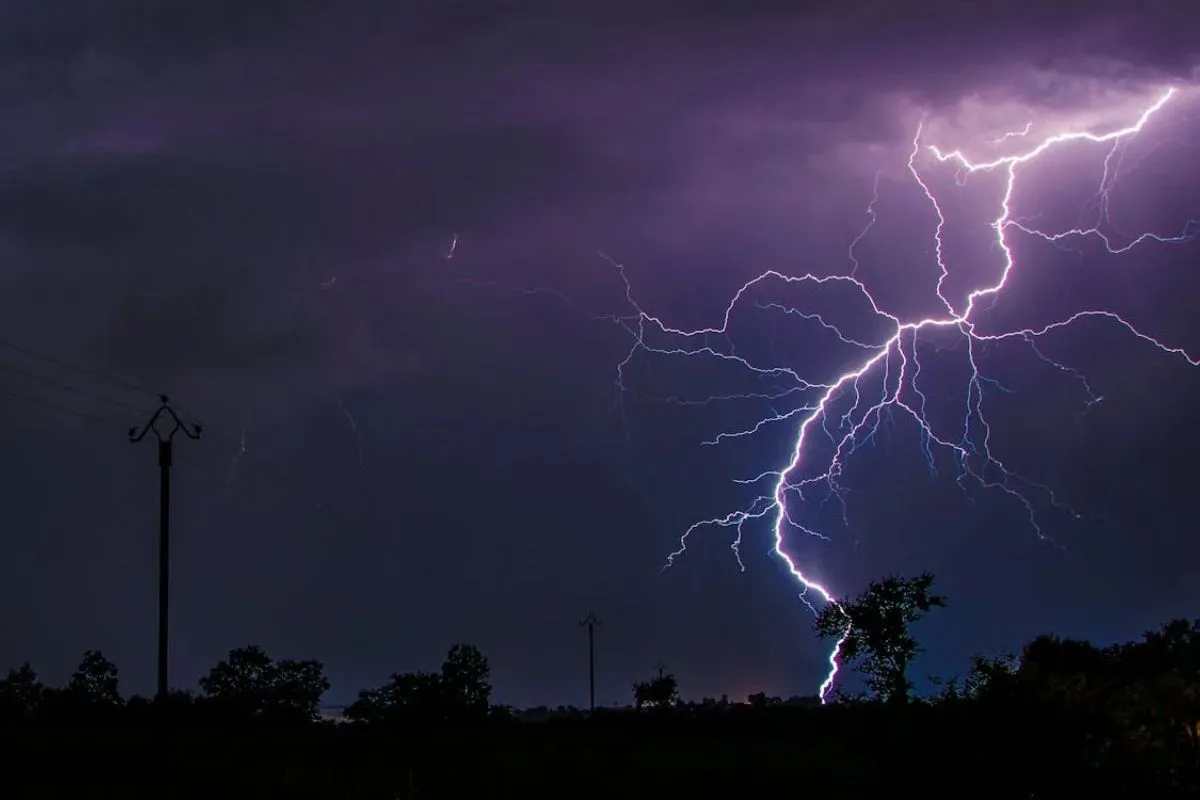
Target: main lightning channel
column 895, row 361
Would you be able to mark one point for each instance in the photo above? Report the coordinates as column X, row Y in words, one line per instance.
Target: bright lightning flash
column 846, row 409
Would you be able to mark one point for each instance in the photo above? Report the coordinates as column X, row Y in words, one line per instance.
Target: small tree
column 20, row 694
column 465, row 679
column 241, row 683
column 94, row 682
column 875, row 631
column 761, row 700
column 661, row 692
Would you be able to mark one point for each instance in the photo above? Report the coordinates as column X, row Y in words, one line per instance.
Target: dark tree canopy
column 461, row 692
column 466, row 676
column 94, row 682
column 1063, row 717
column 1143, row 695
column 876, row 627
column 246, row 672
column 761, row 700
column 20, row 694
column 661, row 692
column 249, row 683
column 406, row 697
column 989, row 676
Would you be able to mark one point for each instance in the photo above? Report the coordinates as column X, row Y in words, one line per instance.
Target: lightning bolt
column 849, row 408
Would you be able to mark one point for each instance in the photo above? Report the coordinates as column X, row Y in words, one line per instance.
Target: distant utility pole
column 591, row 622
column 661, row 667
column 164, row 424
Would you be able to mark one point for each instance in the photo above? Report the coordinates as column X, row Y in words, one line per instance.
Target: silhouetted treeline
column 1060, row 717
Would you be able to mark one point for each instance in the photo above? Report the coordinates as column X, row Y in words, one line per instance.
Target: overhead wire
column 264, row 465
column 72, row 389
column 50, row 405
column 107, row 377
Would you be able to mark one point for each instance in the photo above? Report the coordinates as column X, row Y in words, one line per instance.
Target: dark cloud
column 160, row 31
column 214, row 255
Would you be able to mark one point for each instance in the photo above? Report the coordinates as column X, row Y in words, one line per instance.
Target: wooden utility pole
column 591, row 622
column 164, row 424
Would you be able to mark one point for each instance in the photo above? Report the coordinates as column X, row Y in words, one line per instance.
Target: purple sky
column 248, row 205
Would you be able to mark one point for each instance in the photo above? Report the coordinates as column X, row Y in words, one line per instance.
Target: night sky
column 250, row 206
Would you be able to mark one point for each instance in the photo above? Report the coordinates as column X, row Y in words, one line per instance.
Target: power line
column 107, row 377
column 43, row 403
column 66, row 387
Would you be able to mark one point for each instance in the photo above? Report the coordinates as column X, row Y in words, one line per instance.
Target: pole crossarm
column 177, row 425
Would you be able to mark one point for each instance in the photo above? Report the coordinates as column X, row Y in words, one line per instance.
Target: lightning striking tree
column 875, row 631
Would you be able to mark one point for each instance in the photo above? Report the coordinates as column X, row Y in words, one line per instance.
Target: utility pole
column 164, row 424
column 591, row 622
column 661, row 667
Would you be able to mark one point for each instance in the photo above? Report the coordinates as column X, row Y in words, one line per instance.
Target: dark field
column 922, row 750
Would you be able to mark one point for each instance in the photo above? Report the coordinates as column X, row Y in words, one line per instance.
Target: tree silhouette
column 20, row 694
column 249, row 683
column 461, row 692
column 465, row 679
column 760, row 700
column 298, row 687
column 242, row 682
column 1065, row 717
column 1157, row 687
column 875, row 629
column 661, row 692
column 415, row 697
column 1072, row 676
column 94, row 682
column 989, row 677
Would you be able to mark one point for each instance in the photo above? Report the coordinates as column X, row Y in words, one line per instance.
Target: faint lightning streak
column 353, row 423
column 895, row 359
column 870, row 223
column 242, row 446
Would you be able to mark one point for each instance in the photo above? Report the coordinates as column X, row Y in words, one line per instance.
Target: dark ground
column 853, row 750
